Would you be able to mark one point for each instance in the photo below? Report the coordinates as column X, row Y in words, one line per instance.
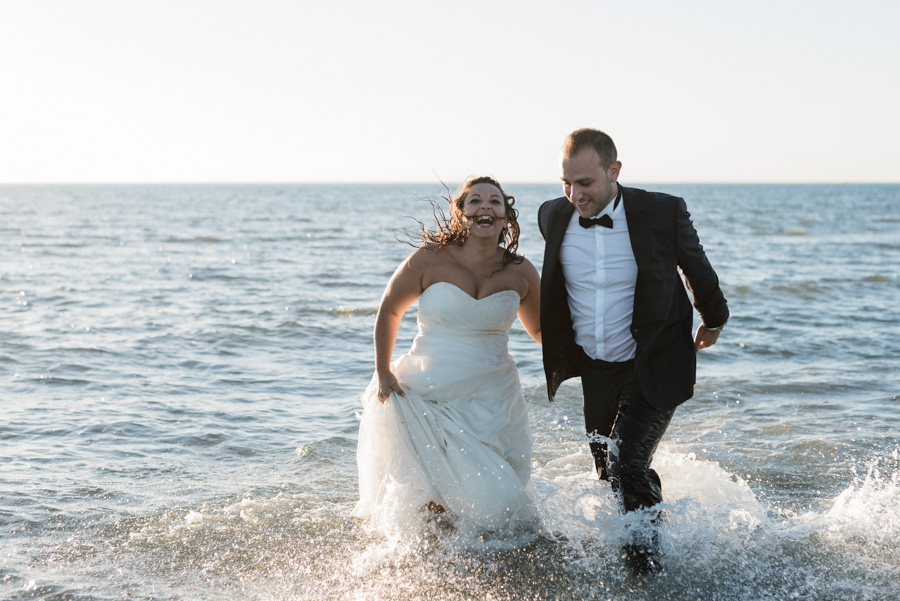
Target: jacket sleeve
column 699, row 275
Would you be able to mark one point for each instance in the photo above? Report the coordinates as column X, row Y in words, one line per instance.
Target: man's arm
column 701, row 279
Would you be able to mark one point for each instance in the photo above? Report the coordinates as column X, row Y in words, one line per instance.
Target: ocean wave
column 200, row 239
column 880, row 278
column 353, row 311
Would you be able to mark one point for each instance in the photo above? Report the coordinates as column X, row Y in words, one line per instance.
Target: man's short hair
column 583, row 138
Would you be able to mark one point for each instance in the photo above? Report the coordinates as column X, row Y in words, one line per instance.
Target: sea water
column 180, row 370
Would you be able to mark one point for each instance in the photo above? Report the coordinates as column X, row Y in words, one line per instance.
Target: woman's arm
column 530, row 305
column 404, row 287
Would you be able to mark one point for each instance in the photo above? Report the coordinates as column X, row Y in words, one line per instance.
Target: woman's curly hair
column 455, row 231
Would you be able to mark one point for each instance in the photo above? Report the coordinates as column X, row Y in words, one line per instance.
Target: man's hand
column 705, row 338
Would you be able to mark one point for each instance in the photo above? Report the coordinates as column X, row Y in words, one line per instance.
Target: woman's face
column 485, row 210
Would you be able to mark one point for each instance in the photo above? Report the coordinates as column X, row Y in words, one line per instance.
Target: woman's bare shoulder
column 422, row 256
column 524, row 267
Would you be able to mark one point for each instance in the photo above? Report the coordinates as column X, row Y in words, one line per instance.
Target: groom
column 615, row 312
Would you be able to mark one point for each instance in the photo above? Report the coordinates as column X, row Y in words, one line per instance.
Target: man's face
column 587, row 183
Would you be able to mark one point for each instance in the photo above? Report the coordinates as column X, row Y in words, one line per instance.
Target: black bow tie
column 605, row 221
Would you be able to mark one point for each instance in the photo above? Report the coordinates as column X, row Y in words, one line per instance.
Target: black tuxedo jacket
column 663, row 240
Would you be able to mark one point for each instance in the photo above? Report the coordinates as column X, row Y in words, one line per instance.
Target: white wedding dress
column 460, row 437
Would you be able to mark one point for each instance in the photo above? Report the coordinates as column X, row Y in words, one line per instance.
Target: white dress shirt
column 601, row 273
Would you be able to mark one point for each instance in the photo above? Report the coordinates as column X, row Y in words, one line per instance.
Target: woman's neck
column 479, row 249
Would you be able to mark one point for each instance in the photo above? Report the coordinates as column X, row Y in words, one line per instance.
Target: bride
column 445, row 427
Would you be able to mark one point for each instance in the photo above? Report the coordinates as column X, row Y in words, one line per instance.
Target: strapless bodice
column 450, row 320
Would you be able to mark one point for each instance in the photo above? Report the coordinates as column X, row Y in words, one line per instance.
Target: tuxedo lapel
column 559, row 221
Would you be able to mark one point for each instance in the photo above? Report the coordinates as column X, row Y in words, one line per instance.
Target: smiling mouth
column 484, row 220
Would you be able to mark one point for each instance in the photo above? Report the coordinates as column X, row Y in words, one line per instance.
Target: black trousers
column 623, row 430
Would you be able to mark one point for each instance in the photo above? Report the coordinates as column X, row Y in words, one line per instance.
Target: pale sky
column 402, row 91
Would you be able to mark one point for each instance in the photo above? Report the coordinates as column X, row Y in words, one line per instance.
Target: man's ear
column 613, row 171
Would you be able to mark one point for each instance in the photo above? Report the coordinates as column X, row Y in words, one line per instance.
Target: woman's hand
column 387, row 383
